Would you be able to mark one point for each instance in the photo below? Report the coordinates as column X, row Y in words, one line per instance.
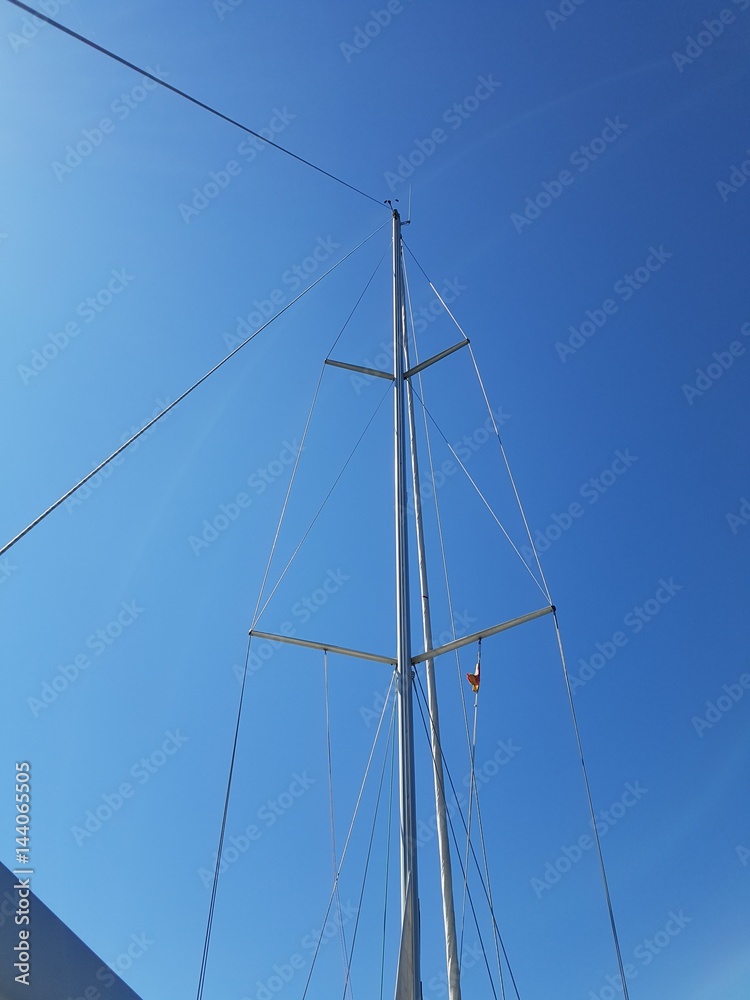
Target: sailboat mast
column 408, row 982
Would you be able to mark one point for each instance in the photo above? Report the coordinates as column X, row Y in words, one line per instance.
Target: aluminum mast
column 408, row 980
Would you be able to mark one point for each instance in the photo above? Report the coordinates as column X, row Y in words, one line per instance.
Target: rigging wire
column 472, row 791
column 484, row 500
column 494, row 424
column 420, row 702
column 481, row 830
column 471, row 744
column 351, row 829
column 510, row 474
column 356, row 304
column 187, row 97
column 439, row 520
column 215, row 884
column 320, row 509
column 330, row 802
column 369, row 851
column 162, row 413
column 452, row 951
column 304, row 438
column 545, row 590
column 422, row 705
column 286, row 500
column 594, row 824
column 437, row 293
column 387, row 866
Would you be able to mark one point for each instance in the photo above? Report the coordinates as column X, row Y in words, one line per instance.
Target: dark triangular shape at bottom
column 62, row 967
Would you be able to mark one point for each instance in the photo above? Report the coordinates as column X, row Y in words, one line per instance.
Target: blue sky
column 579, row 189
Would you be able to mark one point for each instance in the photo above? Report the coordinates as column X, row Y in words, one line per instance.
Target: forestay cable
column 165, row 411
column 187, row 97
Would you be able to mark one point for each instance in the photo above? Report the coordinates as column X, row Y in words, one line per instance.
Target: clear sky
column 579, row 193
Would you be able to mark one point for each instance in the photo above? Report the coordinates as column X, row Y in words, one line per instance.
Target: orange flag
column 473, row 679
